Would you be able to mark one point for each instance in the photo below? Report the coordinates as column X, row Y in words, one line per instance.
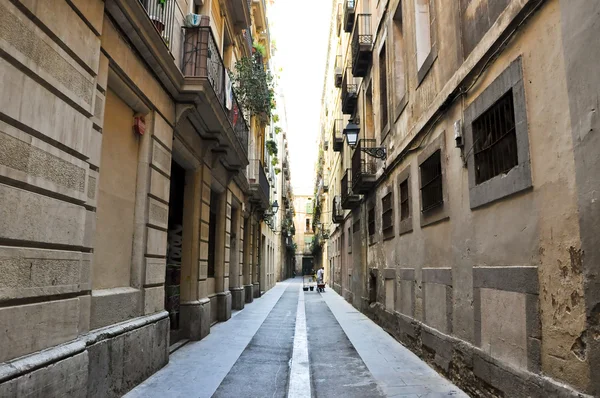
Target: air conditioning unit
column 192, row 20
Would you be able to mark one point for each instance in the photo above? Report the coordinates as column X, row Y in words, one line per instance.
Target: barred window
column 387, row 215
column 371, row 221
column 431, row 182
column 495, row 140
column 404, row 206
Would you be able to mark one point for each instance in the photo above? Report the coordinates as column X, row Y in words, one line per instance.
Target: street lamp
column 351, row 132
column 274, row 207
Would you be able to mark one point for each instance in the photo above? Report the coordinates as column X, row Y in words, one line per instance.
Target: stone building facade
column 132, row 187
column 474, row 240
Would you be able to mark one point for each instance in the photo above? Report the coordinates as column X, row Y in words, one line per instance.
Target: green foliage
column 277, row 170
column 278, row 129
column 275, row 118
column 274, row 161
column 271, row 147
column 162, row 2
column 259, row 48
column 253, row 86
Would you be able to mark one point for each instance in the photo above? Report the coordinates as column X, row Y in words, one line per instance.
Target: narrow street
column 262, row 352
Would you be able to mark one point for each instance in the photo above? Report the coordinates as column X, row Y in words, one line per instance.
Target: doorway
column 174, row 251
column 307, row 265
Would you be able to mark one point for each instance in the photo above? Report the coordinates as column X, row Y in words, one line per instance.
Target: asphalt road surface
column 291, row 343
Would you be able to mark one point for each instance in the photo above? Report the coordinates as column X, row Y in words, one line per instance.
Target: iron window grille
column 431, row 182
column 387, row 213
column 404, row 207
column 371, row 222
column 495, row 140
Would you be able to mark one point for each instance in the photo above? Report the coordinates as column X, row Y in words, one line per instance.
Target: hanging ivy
column 278, row 129
column 275, row 118
column 274, row 161
column 277, row 170
column 253, row 86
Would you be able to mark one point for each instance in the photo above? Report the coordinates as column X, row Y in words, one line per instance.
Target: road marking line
column 299, row 385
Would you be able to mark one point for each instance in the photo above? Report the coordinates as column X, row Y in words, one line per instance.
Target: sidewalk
column 198, row 368
column 398, row 371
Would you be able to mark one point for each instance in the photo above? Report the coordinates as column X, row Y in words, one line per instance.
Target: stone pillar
column 256, row 260
column 195, row 307
column 222, row 257
column 248, row 258
column 236, row 288
column 195, row 310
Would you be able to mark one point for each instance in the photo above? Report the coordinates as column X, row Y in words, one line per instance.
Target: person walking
column 320, row 273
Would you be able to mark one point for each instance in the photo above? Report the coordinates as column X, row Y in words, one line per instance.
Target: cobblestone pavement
column 291, row 343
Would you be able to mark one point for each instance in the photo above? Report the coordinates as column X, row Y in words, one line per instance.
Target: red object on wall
column 139, row 125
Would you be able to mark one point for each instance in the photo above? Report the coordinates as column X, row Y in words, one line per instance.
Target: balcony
column 195, row 80
column 350, row 199
column 336, row 135
column 337, row 213
column 349, row 13
column 162, row 17
column 362, row 45
column 203, row 67
column 364, row 167
column 349, row 93
column 259, row 185
column 338, row 71
column 240, row 13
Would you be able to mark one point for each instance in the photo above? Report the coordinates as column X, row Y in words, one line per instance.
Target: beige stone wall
column 538, row 227
column 116, row 196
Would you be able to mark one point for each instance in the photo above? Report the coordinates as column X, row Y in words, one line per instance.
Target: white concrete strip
column 299, row 385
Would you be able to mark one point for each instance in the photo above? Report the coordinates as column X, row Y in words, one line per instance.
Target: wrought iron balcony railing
column 349, row 93
column 364, row 167
column 337, row 213
column 201, row 59
column 162, row 16
column 336, row 135
column 338, row 71
column 257, row 178
column 362, row 45
column 349, row 199
column 349, row 12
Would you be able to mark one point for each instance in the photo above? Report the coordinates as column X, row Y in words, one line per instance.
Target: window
column 495, row 140
column 404, row 201
column 431, row 182
column 425, row 37
column 307, row 225
column 371, row 223
column 349, row 239
column 422, row 31
column 383, row 100
column 387, row 215
column 399, row 85
column 404, row 207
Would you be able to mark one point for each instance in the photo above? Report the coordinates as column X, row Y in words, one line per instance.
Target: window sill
column 405, row 226
column 426, row 67
column 400, row 108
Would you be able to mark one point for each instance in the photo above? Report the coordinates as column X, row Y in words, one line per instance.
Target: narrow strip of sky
column 301, row 32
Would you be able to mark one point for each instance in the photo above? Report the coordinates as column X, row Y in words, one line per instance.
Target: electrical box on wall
column 458, row 134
